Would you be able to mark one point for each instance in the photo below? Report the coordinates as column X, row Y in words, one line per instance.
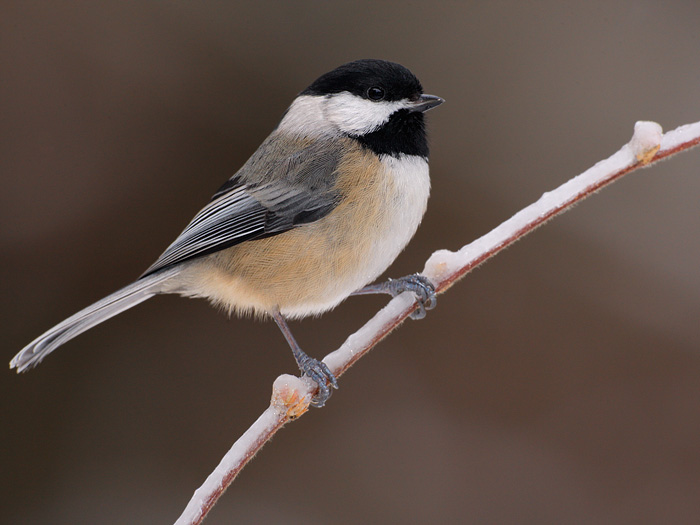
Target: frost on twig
column 291, row 395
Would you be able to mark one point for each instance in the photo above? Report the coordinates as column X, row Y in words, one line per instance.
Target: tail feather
column 131, row 295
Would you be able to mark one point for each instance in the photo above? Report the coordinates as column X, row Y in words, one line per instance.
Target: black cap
column 361, row 77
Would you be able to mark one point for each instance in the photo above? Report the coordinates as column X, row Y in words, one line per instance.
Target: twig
column 291, row 395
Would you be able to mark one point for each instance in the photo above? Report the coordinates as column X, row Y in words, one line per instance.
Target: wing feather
column 284, row 185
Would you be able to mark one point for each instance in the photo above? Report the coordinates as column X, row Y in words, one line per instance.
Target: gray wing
column 284, row 184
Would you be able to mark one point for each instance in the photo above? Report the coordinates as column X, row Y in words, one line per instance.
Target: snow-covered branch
column 291, row 395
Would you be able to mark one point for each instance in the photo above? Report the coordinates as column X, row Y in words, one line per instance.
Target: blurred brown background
column 559, row 383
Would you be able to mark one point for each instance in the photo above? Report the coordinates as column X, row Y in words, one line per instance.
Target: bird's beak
column 425, row 102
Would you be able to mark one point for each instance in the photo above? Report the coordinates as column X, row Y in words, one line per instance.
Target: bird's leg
column 421, row 287
column 315, row 369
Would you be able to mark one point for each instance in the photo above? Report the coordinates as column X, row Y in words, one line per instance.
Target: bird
column 320, row 210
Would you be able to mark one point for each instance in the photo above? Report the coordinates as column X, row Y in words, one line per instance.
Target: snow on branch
column 291, row 395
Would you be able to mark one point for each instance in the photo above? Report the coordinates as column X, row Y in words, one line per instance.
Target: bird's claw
column 319, row 372
column 421, row 287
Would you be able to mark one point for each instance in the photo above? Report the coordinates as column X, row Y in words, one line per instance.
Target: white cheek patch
column 311, row 115
column 305, row 117
column 357, row 116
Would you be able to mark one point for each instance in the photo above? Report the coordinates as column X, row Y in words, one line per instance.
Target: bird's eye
column 375, row 93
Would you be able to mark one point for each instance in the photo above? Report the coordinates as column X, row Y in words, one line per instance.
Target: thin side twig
column 291, row 395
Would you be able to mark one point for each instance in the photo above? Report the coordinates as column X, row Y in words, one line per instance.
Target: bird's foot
column 319, row 372
column 418, row 284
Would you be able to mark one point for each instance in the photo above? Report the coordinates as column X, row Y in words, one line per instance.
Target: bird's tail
column 131, row 295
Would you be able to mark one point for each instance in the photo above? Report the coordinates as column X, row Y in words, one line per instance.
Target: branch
column 291, row 395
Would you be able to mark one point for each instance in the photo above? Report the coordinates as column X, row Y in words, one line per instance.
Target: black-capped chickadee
column 322, row 208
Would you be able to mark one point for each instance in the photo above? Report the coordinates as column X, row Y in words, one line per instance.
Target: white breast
column 411, row 180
